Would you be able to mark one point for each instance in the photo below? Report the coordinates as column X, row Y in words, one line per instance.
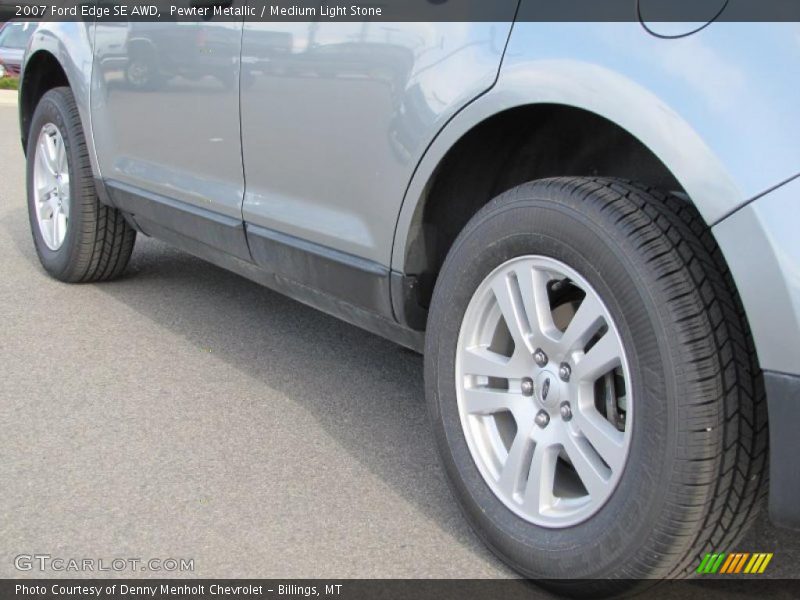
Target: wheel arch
column 629, row 134
column 42, row 73
column 60, row 54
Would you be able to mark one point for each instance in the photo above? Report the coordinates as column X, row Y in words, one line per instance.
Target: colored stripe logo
column 733, row 563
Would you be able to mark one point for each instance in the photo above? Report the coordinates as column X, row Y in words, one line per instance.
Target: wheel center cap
column 548, row 390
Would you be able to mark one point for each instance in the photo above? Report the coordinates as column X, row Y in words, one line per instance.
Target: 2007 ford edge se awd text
column 590, row 231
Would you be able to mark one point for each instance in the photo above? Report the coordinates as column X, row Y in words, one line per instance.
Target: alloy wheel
column 51, row 186
column 542, row 384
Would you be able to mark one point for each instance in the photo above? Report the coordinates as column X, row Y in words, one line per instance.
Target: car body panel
column 683, row 99
column 335, row 117
column 761, row 244
column 71, row 44
column 165, row 110
column 762, row 248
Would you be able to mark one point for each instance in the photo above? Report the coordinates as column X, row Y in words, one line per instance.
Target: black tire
column 98, row 242
column 696, row 472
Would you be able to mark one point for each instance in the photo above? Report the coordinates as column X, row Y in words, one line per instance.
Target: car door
column 335, row 116
column 165, row 116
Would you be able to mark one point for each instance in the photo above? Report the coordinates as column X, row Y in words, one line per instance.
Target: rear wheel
column 543, row 398
column 142, row 72
column 595, row 395
column 77, row 238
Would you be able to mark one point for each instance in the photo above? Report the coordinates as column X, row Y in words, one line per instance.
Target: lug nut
column 542, row 419
column 566, row 411
column 527, row 386
column 564, row 372
column 540, row 357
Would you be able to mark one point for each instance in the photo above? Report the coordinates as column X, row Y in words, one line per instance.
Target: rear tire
column 89, row 241
column 695, row 473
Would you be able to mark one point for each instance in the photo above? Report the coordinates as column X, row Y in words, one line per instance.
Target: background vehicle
column 14, row 38
column 148, row 56
column 558, row 225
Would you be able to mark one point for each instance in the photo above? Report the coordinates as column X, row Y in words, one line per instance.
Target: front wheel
column 77, row 238
column 595, row 395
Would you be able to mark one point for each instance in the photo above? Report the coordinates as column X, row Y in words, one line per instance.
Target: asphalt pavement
column 184, row 412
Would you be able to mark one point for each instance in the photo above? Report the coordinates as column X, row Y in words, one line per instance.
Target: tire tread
column 679, row 245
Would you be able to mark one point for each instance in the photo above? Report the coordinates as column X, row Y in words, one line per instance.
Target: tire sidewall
column 549, row 226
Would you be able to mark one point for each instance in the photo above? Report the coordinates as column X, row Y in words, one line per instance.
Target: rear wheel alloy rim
column 542, row 387
column 51, row 186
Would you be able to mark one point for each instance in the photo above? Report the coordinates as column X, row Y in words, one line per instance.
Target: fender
column 684, row 99
column 71, row 44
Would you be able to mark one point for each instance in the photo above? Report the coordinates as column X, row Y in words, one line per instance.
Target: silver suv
column 591, row 232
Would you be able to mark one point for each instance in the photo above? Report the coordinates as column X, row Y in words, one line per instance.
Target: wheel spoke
column 601, row 358
column 483, row 401
column 49, row 154
column 478, row 360
column 46, row 209
column 61, row 159
column 538, row 494
column 536, row 301
column 44, row 186
column 583, row 326
column 607, row 441
column 589, row 467
column 44, row 160
column 55, row 227
column 65, row 205
column 515, row 465
column 62, row 216
column 506, row 292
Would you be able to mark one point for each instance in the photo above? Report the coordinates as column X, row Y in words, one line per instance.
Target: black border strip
column 417, row 589
column 325, row 11
column 218, row 231
column 350, row 278
column 351, row 288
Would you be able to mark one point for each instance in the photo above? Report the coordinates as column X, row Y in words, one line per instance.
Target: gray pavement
column 184, row 412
